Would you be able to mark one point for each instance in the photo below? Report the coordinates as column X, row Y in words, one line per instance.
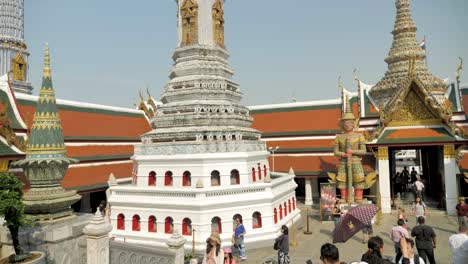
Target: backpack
column 416, row 259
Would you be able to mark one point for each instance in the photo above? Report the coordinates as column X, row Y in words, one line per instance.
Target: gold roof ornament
column 405, row 50
column 460, row 67
column 348, row 113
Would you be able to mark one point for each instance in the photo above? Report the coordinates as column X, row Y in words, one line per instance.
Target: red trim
column 136, row 223
column 259, row 172
column 275, row 215
column 216, row 221
column 281, row 211
column 258, row 217
column 285, row 209
column 186, row 179
column 253, row 175
column 121, row 222
column 152, row 226
column 168, row 225
column 168, row 178
column 152, row 178
column 186, row 227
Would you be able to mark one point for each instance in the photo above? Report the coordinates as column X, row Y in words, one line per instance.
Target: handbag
column 276, row 245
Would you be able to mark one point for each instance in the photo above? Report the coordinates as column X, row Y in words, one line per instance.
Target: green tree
column 12, row 207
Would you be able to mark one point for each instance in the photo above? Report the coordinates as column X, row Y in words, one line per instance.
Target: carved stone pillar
column 450, row 178
column 176, row 245
column 308, row 192
column 384, row 180
column 97, row 240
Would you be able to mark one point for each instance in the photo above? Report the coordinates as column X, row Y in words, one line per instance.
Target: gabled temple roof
column 397, row 135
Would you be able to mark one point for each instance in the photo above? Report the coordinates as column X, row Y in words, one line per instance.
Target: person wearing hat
column 228, row 259
column 462, row 211
column 213, row 253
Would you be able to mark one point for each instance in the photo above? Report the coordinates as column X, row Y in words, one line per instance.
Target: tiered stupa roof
column 405, row 47
column 46, row 162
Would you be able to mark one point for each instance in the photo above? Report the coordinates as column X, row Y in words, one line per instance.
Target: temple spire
column 46, row 163
column 405, row 50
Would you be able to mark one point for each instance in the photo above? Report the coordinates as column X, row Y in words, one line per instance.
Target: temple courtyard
column 308, row 246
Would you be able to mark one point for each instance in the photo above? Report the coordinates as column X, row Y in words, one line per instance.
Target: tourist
column 456, row 240
column 405, row 180
column 462, row 211
column 414, row 175
column 228, row 259
column 425, row 240
column 418, row 188
column 336, row 211
column 375, row 249
column 282, row 245
column 238, row 237
column 213, row 254
column 398, row 183
column 329, row 254
column 419, row 208
column 367, row 232
column 399, row 232
column 402, row 214
column 413, row 258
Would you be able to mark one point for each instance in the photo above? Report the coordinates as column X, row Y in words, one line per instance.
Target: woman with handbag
column 282, row 245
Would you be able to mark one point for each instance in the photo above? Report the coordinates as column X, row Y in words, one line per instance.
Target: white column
column 308, row 192
column 450, row 178
column 384, row 180
column 97, row 240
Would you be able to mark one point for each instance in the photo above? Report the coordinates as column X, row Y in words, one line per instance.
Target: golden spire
column 405, row 50
column 460, row 67
column 348, row 113
column 47, row 61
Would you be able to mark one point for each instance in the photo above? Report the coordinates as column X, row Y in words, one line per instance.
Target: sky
column 105, row 51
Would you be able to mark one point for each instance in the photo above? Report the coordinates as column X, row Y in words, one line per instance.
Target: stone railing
column 199, row 147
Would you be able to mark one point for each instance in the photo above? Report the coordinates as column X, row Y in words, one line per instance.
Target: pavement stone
column 308, row 246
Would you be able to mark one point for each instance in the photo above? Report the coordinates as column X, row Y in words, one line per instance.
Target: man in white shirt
column 418, row 188
column 459, row 245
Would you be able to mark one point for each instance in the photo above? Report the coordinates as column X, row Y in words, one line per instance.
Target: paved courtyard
column 308, row 246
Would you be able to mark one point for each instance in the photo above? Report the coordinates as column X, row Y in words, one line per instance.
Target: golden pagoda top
column 405, row 48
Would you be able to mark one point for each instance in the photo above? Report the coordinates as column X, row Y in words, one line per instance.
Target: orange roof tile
column 80, row 151
column 309, row 120
column 314, row 163
column 319, row 143
column 93, row 175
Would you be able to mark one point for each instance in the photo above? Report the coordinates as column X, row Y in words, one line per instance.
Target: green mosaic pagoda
column 46, row 162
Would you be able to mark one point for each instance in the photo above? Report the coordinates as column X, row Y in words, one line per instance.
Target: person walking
column 459, row 245
column 213, row 254
column 282, row 245
column 414, row 258
column 228, row 259
column 329, row 254
column 402, row 214
column 462, row 211
column 399, row 232
column 375, row 249
column 414, row 175
column 418, row 188
column 425, row 240
column 238, row 237
column 419, row 208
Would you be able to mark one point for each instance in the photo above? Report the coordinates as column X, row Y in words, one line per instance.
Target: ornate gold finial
column 356, row 78
column 340, row 84
column 460, row 67
column 47, row 61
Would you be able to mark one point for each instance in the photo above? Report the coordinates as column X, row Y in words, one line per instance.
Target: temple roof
column 405, row 48
column 398, row 135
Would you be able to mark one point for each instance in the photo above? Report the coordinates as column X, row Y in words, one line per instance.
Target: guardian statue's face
column 348, row 125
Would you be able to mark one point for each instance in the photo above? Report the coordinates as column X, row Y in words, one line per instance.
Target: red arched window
column 186, row 227
column 152, row 178
column 253, row 175
column 285, row 209
column 275, row 215
column 168, row 225
column 215, row 178
column 136, row 223
column 256, row 220
column 168, row 178
column 281, row 211
column 235, row 179
column 294, row 203
column 264, row 170
column 152, row 224
column 289, row 206
column 259, row 172
column 187, row 178
column 121, row 222
column 216, row 226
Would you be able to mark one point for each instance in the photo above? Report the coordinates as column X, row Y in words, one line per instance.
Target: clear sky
column 105, row 51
